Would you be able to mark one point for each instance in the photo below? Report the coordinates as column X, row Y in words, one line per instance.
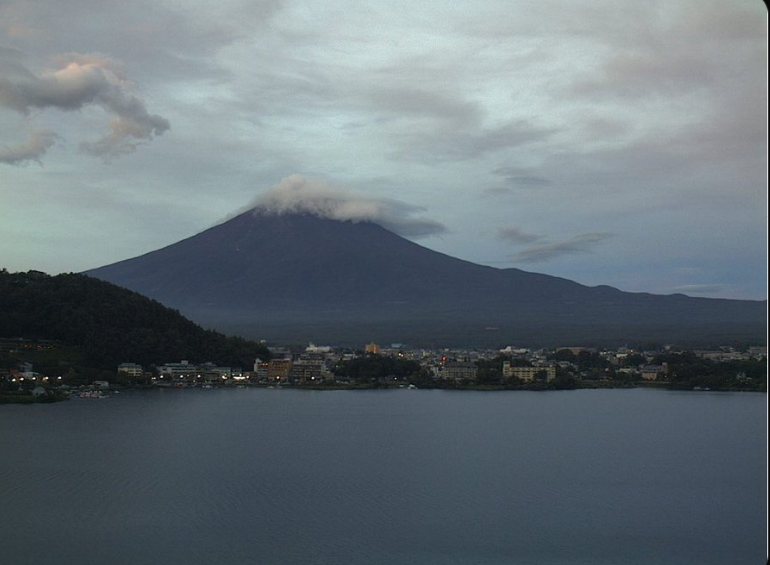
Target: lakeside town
column 396, row 366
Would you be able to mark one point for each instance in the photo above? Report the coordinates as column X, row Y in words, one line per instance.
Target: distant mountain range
column 300, row 277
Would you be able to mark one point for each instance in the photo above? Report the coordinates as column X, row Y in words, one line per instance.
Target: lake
column 392, row 477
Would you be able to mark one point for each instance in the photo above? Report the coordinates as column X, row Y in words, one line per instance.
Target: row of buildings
column 315, row 364
column 301, row 369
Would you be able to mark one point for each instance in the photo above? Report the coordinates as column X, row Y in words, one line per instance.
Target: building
column 181, row 370
column 308, row 371
column 131, row 369
column 460, row 370
column 529, row 374
column 372, row 348
column 279, row 352
column 279, row 370
column 260, row 369
column 652, row 372
column 224, row 373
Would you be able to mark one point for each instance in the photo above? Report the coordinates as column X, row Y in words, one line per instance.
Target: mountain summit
column 298, row 276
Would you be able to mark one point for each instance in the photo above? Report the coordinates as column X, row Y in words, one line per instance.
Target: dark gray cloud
column 38, row 142
column 529, row 181
column 513, row 134
column 497, row 191
column 676, row 51
column 579, row 244
column 638, row 75
column 431, row 146
column 161, row 40
column 516, row 235
column 421, row 103
column 521, row 177
column 707, row 289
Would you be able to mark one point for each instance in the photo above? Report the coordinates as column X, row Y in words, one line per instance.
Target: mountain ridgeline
column 299, row 277
column 109, row 325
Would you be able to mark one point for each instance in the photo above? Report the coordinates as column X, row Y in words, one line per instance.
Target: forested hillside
column 108, row 324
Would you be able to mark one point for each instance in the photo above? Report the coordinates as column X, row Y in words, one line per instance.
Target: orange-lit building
column 279, row 369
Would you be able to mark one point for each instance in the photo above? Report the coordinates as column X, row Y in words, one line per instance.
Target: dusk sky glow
column 608, row 142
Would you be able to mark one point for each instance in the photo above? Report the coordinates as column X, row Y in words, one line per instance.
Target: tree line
column 101, row 325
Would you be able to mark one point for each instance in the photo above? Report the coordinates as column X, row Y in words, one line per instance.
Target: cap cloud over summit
column 297, row 195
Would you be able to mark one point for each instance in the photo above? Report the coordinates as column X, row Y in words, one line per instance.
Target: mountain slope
column 305, row 277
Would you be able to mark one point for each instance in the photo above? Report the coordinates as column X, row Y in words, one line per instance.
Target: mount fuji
column 295, row 277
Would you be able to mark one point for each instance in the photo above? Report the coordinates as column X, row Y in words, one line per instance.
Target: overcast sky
column 605, row 141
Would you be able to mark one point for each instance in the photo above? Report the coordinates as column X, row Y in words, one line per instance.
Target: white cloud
column 84, row 80
column 298, row 195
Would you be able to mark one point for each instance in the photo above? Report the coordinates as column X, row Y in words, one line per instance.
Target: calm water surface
column 256, row 476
